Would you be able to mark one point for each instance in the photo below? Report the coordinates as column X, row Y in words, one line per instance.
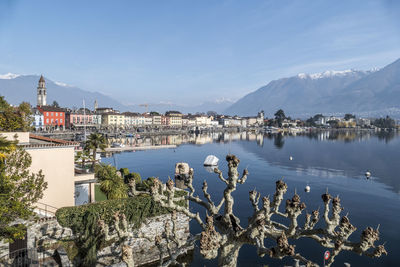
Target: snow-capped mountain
column 370, row 92
column 333, row 73
column 17, row 88
column 8, row 76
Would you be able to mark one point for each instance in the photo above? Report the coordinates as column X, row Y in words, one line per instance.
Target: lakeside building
column 148, row 120
column 188, row 121
column 37, row 120
column 113, row 119
column 175, row 118
column 202, row 120
column 80, row 118
column 227, row 121
column 53, row 117
column 133, row 119
column 363, row 122
column 156, row 119
column 46, row 117
column 96, row 119
column 289, row 123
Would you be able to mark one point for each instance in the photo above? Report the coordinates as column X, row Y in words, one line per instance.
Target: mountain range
column 365, row 93
column 17, row 88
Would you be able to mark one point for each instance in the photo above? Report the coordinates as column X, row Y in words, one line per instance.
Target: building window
column 47, row 120
column 60, row 120
column 56, row 114
column 52, row 120
column 47, row 114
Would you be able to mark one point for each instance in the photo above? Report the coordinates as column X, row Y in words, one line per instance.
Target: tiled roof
column 51, row 108
column 52, row 140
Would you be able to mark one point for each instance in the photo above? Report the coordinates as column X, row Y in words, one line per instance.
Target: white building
column 38, row 120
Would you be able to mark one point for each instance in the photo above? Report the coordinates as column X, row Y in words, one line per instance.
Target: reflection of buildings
column 178, row 139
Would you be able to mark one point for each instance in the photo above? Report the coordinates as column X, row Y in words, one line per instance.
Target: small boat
column 211, row 160
column 367, row 174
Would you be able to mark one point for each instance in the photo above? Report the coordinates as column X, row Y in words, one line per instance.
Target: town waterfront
column 337, row 161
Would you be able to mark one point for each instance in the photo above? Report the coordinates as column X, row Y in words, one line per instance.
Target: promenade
column 135, row 148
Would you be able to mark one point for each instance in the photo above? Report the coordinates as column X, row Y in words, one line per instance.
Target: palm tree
column 111, row 182
column 94, row 142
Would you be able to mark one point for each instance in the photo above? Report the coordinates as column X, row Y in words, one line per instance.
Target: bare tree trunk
column 228, row 254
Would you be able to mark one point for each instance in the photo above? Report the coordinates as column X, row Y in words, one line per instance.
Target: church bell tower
column 41, row 92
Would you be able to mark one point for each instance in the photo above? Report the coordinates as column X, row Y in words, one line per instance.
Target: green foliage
column 6, row 147
column 98, row 194
column 279, row 117
column 95, row 141
column 19, row 190
column 124, row 171
column 111, row 183
column 127, row 175
column 384, row 122
column 83, row 220
column 15, row 118
column 310, row 122
column 55, row 104
column 349, row 116
column 82, row 157
column 145, row 184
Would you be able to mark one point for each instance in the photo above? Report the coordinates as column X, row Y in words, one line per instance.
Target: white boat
column 211, row 160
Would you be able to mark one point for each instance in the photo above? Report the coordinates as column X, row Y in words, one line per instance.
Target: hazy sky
column 186, row 51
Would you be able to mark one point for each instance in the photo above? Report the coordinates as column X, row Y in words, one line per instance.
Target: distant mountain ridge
column 367, row 93
column 17, row 88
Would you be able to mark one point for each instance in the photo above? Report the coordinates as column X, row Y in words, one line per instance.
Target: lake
column 333, row 160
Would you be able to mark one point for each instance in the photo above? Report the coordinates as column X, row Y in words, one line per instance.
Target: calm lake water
column 336, row 161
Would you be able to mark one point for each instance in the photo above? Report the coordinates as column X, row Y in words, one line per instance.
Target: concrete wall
column 57, row 164
column 23, row 137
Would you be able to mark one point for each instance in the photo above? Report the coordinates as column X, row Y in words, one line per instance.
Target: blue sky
column 187, row 52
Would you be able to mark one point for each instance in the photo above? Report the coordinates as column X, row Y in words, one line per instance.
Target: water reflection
column 320, row 153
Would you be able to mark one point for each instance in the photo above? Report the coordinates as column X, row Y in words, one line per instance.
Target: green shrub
column 83, row 220
column 145, row 184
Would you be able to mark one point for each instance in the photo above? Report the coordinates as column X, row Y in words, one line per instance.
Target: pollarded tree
column 223, row 235
column 95, row 141
column 19, row 191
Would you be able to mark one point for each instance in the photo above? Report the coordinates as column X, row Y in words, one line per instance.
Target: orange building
column 53, row 116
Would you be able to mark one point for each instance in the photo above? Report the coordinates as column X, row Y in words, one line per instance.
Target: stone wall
column 144, row 251
column 47, row 231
